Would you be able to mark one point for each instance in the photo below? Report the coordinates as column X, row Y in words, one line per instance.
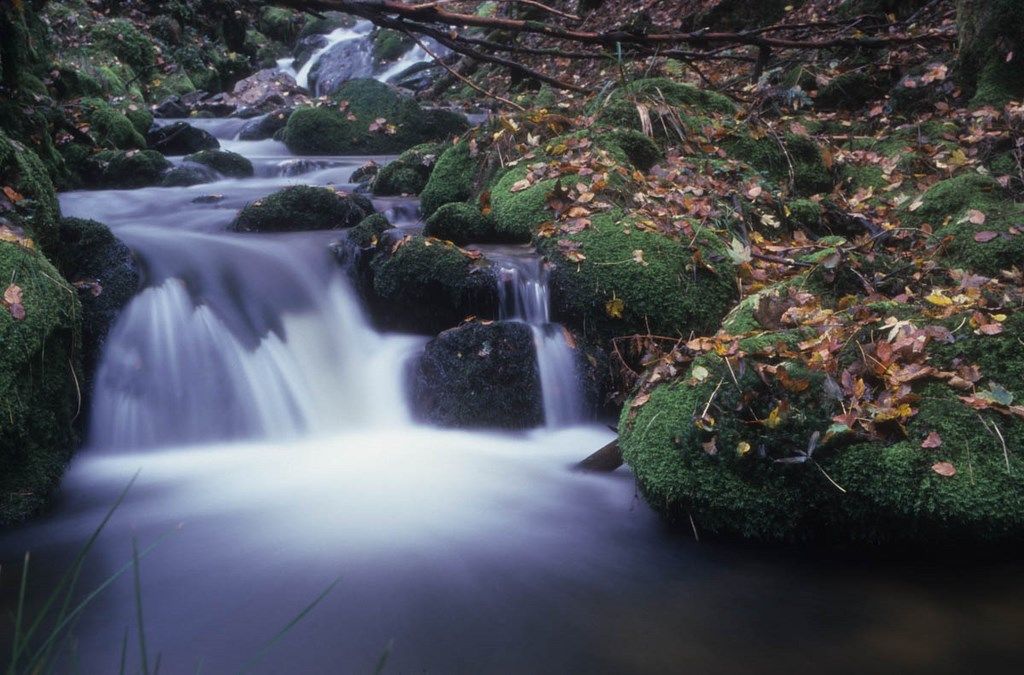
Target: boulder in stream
column 303, row 207
column 344, row 61
column 228, row 164
column 480, row 375
column 180, row 138
column 122, row 169
column 409, row 173
column 262, row 128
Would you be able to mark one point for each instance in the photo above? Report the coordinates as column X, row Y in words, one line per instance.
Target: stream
column 275, row 451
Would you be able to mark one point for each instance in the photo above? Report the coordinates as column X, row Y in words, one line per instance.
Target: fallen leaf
column 742, row 448
column 975, row 216
column 985, row 236
column 932, row 440
column 12, row 295
column 614, row 308
column 944, row 469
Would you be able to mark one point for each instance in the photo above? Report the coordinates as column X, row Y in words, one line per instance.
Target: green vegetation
column 451, row 180
column 302, row 207
column 229, row 164
column 408, row 174
column 462, row 224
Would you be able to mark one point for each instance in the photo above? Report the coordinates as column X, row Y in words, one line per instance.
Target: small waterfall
column 524, row 296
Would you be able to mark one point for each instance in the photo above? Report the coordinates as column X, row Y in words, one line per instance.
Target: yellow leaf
column 742, row 448
column 614, row 307
column 774, row 418
column 938, row 299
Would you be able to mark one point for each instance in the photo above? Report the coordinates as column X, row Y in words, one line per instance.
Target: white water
column 525, row 296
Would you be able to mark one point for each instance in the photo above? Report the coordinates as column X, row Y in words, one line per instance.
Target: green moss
column 111, row 128
column 128, row 43
column 795, row 159
column 281, row 24
column 517, row 215
column 131, row 169
column 462, row 223
column 408, row 174
column 226, row 163
column 327, row 131
column 367, row 233
column 988, row 33
column 668, row 293
column 22, row 170
column 452, row 179
column 641, row 151
column 300, row 208
column 326, row 23
column 852, row 90
column 173, row 84
column 999, row 83
column 805, row 213
column 389, row 45
column 38, row 398
column 673, row 108
column 140, row 118
column 431, row 283
column 854, row 177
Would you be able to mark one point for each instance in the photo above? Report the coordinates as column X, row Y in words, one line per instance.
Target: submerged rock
column 265, row 127
column 480, row 376
column 180, row 138
column 302, row 207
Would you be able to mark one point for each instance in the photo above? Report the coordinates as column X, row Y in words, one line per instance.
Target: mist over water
column 269, row 427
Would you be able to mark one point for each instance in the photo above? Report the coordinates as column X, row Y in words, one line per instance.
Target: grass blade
column 138, row 607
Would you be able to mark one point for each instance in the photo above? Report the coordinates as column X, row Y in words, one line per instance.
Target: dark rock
column 480, row 375
column 305, row 49
column 265, row 127
column 266, row 91
column 300, row 208
column 347, row 60
column 106, row 275
column 188, row 174
column 229, row 164
column 180, row 138
column 607, row 459
column 130, row 169
column 171, row 107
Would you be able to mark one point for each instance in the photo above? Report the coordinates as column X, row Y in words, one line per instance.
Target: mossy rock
column 792, row 159
column 38, row 212
column 369, row 230
column 327, row 23
column 480, row 376
column 517, row 215
column 300, row 208
column 408, row 174
column 610, row 293
column 852, row 90
column 641, row 151
column 464, row 223
column 452, row 179
column 946, row 207
column 187, row 175
column 426, row 285
column 680, row 105
column 229, row 164
column 121, row 38
column 106, row 275
column 38, row 395
column 126, row 169
column 695, row 457
column 390, row 45
column 283, row 25
column 329, row 131
column 991, row 33
column 111, row 128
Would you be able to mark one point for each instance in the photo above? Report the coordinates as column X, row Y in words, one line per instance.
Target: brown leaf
column 944, row 469
column 985, row 236
column 932, row 440
column 12, row 295
column 17, row 311
column 975, row 216
column 12, row 194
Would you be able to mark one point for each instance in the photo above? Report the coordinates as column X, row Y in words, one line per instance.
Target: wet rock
column 188, row 174
column 105, row 274
column 302, row 207
column 228, row 164
column 480, row 376
column 180, row 138
column 305, row 49
column 265, row 127
column 344, row 61
column 266, row 91
column 170, row 108
column 408, row 174
column 121, row 169
column 365, row 175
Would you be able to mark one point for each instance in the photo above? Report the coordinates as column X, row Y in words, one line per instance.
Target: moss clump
column 451, row 180
column 38, row 398
column 302, row 207
column 673, row 108
column 389, row 45
column 804, row 213
column 462, row 224
column 640, row 150
column 122, row 39
column 989, row 32
column 517, row 215
column 140, row 118
column 22, row 170
column 225, row 163
column 852, row 90
column 281, row 24
column 89, row 253
column 796, row 159
column 663, row 289
column 110, row 127
column 329, row 131
column 369, row 230
column 408, row 174
column 132, row 168
column 480, row 375
column 432, row 285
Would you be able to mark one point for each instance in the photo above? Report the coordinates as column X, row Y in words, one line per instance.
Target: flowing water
column 268, row 425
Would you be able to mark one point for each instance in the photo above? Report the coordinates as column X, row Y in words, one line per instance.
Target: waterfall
column 524, row 296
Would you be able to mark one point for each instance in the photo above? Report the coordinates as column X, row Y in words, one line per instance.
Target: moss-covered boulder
column 110, row 127
column 791, row 160
column 480, row 375
column 667, row 109
column 229, row 164
column 127, row 169
column 281, row 24
column 757, row 448
column 614, row 279
column 300, row 208
column 187, row 175
column 519, row 212
column 974, row 221
column 426, row 285
column 991, row 39
column 356, row 130
column 464, row 223
column 39, row 349
column 35, row 204
column 451, row 180
column 262, row 128
column 390, row 45
column 180, row 138
column 369, row 230
column 408, row 174
column 106, row 275
column 121, row 38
